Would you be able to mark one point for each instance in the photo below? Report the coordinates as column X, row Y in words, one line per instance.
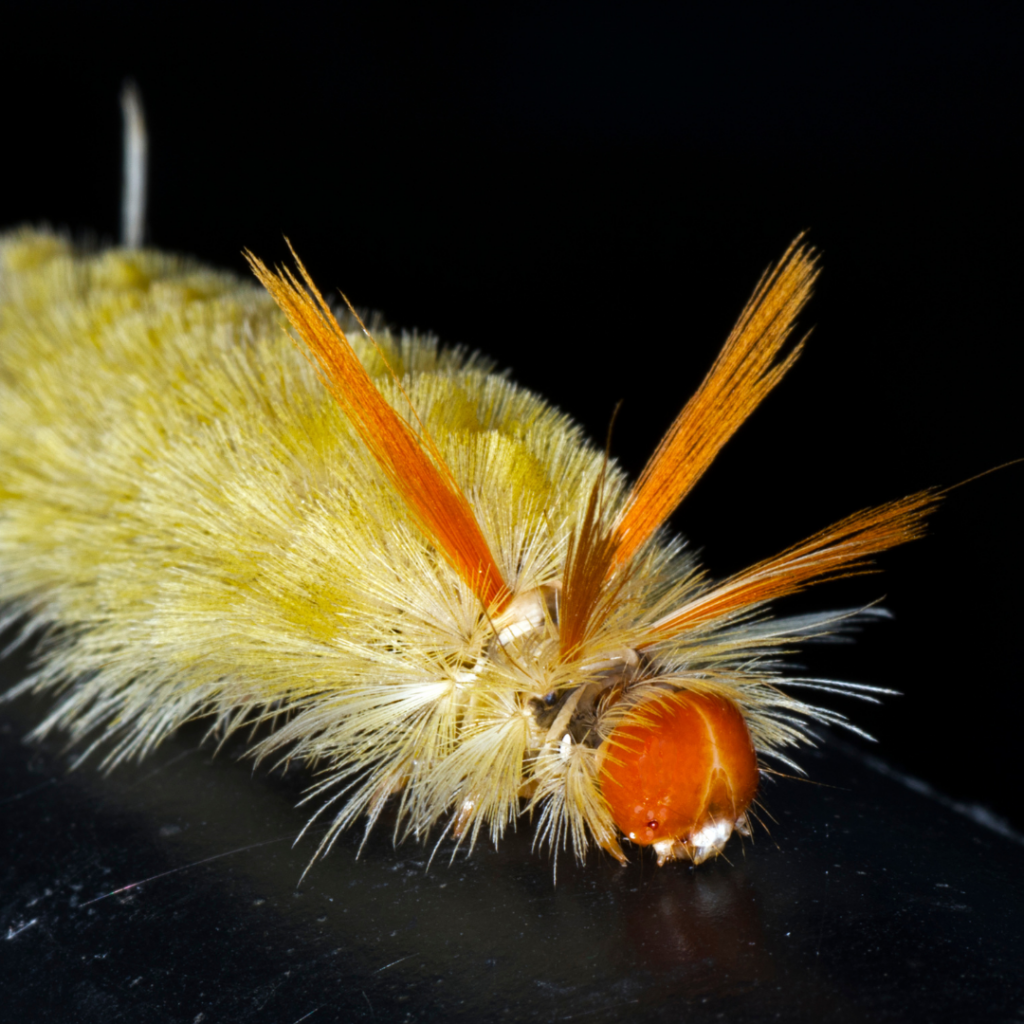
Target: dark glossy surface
column 868, row 902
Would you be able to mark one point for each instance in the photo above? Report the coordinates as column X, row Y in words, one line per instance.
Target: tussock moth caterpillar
column 440, row 591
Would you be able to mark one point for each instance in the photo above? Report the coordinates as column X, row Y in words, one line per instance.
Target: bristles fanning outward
column 740, row 378
column 587, row 563
column 841, row 549
column 411, row 463
column 742, row 375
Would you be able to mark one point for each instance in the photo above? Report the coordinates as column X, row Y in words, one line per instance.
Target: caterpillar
column 245, row 504
column 438, row 592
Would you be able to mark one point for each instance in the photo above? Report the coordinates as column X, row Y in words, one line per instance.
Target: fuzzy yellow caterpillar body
column 438, row 591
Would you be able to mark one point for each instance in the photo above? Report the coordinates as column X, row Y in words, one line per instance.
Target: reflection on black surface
column 821, row 921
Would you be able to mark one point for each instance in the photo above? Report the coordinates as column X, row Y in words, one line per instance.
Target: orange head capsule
column 682, row 780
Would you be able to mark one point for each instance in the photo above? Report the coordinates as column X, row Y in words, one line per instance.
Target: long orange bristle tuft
column 742, row 375
column 587, row 563
column 841, row 550
column 739, row 380
column 411, row 463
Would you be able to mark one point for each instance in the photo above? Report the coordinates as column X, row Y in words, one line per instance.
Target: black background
column 588, row 194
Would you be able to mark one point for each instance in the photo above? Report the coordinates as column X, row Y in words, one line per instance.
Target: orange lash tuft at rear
column 681, row 777
column 412, row 464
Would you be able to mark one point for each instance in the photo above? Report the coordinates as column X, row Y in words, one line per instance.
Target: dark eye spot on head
column 653, row 825
column 544, row 707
